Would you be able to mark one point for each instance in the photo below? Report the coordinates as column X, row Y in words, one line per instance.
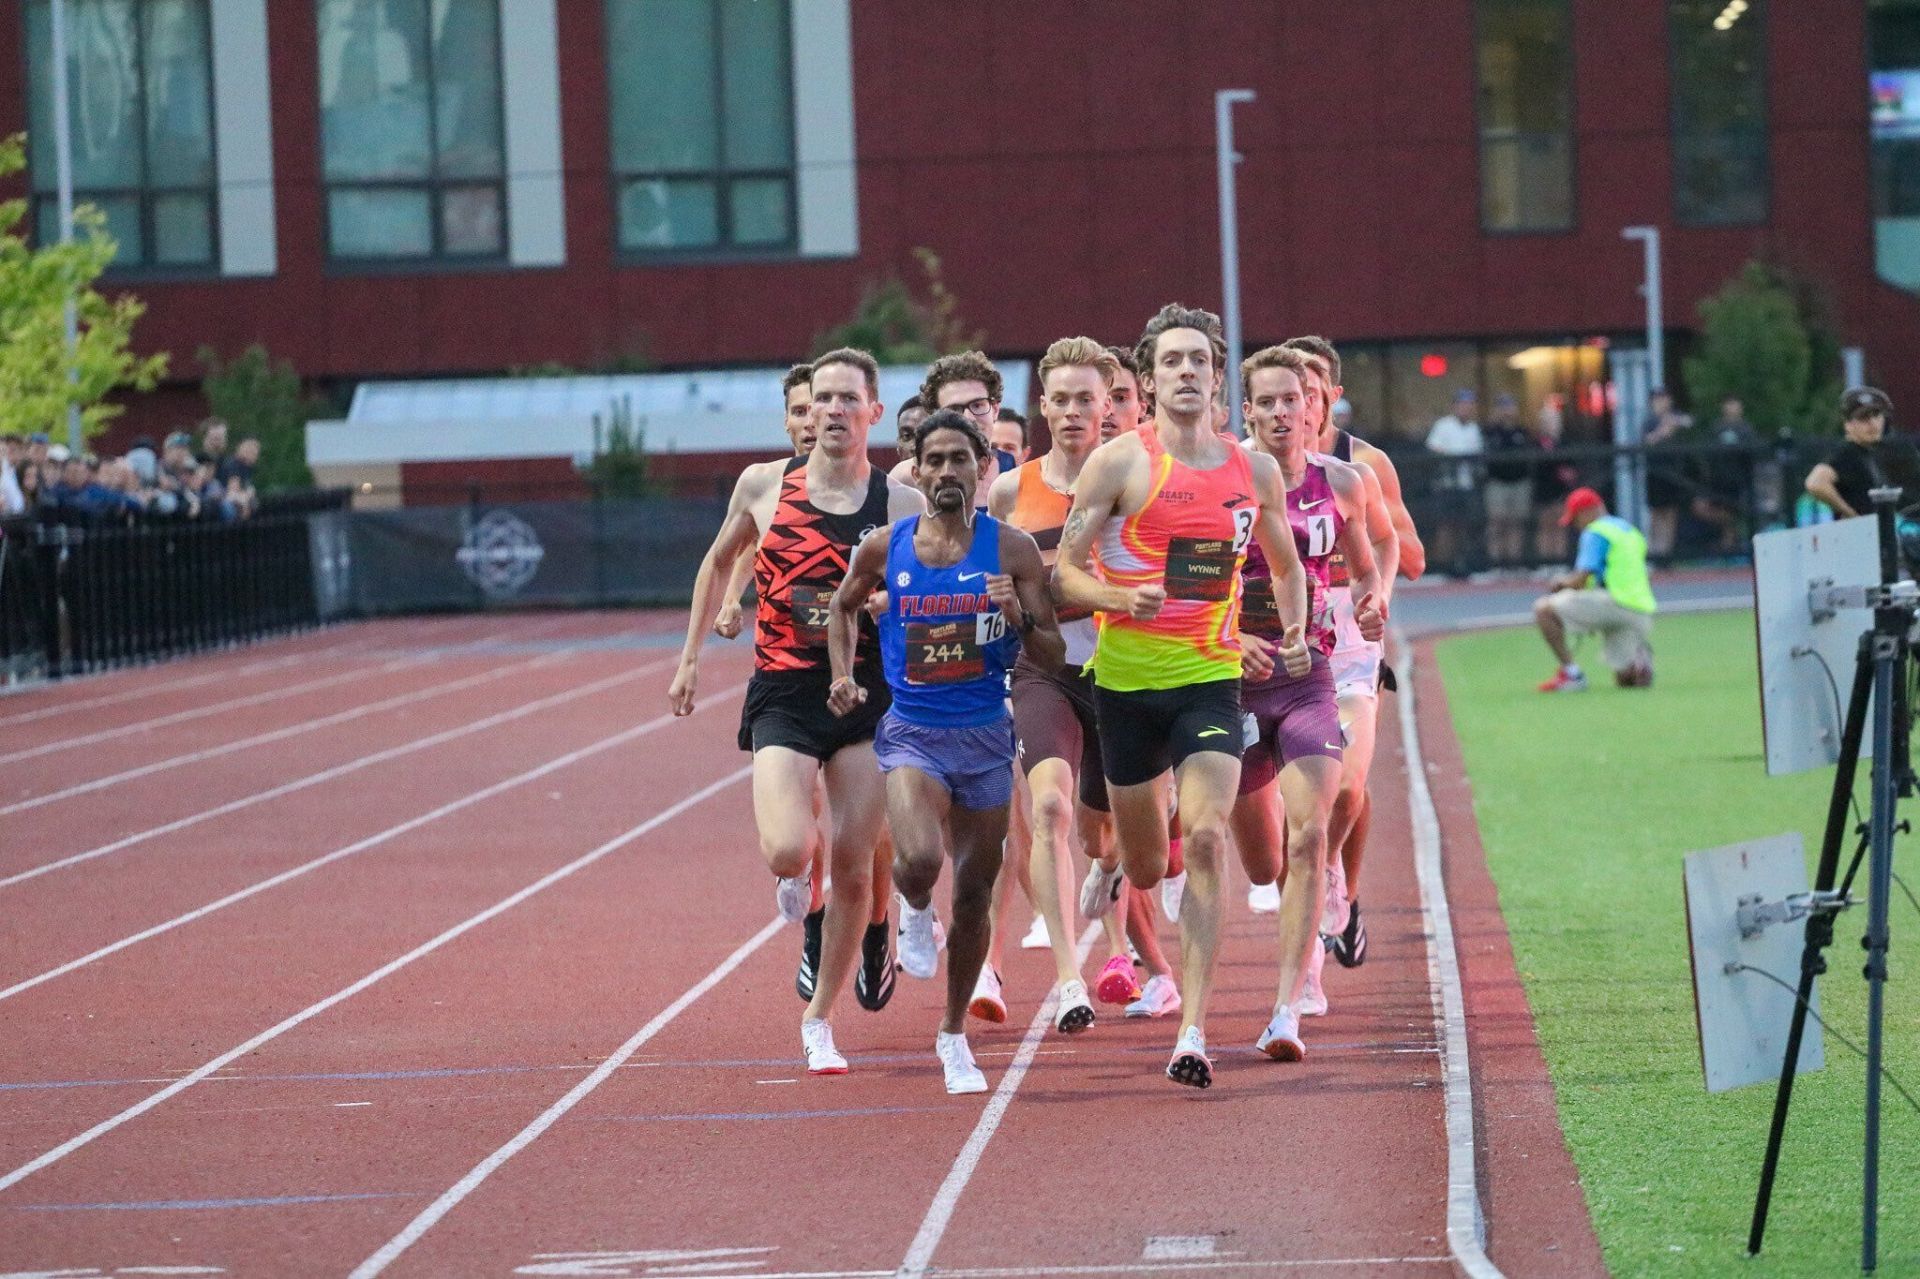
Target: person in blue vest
column 965, row 593
column 1608, row 593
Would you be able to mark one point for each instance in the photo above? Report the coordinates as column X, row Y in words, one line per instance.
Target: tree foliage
column 897, row 327
column 259, row 396
column 620, row 468
column 1765, row 339
column 34, row 286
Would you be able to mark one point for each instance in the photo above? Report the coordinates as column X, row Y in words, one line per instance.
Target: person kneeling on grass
column 1607, row 593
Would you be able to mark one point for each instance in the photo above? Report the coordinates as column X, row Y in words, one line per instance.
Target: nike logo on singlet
column 968, row 577
column 1309, row 505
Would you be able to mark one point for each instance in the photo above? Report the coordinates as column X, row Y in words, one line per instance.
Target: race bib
column 1259, row 610
column 809, row 606
column 1200, row 568
column 951, row 652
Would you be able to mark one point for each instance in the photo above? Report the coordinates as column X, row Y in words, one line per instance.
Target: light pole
column 1223, row 104
column 63, row 169
column 1649, row 237
column 1630, row 470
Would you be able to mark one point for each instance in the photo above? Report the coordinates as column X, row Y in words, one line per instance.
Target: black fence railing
column 74, row 600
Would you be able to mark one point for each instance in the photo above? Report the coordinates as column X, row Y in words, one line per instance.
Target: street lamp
column 1224, row 101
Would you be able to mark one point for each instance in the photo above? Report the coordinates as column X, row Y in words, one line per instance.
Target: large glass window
column 410, row 120
column 1526, row 115
column 140, row 115
column 702, row 107
column 1893, row 28
column 1719, row 110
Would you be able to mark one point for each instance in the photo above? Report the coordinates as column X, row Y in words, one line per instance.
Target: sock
column 1572, row 670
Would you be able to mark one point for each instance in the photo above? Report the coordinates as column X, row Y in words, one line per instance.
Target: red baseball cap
column 1581, row 499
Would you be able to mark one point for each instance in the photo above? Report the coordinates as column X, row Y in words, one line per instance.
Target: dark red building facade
column 1444, row 180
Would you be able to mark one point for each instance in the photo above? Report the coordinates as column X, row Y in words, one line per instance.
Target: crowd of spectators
column 182, row 479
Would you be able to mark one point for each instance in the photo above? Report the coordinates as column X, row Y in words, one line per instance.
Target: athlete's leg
column 1207, row 781
column 1359, row 719
column 978, row 835
column 1140, row 828
column 856, row 791
column 1051, row 782
column 917, row 811
column 1307, row 787
column 1011, row 883
column 823, row 828
column 1354, row 849
column 783, row 782
column 882, row 873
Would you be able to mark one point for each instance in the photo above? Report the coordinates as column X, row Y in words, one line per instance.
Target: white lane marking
column 1268, row 1266
column 621, row 1263
column 440, row 1207
column 1466, row 1222
column 776, row 1081
column 934, row 1225
column 345, row 1105
column 293, row 730
column 379, row 974
column 1183, row 1248
column 360, row 846
column 338, row 770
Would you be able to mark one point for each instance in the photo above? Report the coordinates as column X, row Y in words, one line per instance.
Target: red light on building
column 1433, row 365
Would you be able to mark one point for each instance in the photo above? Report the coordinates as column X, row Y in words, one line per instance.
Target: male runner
column 1357, row 665
column 1009, row 435
column 1173, row 508
column 797, row 389
column 1293, row 725
column 905, row 423
column 963, row 593
column 1053, row 711
column 806, row 515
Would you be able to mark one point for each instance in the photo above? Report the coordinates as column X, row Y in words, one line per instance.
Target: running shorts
column 974, row 764
column 1146, row 732
column 1356, row 660
column 1287, row 721
column 1054, row 717
column 789, row 708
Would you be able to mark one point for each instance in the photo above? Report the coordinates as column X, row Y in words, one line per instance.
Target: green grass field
column 1586, row 804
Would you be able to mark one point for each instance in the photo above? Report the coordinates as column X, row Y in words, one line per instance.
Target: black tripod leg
column 1819, row 928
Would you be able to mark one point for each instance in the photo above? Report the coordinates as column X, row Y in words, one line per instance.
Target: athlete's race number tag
column 810, row 607
column 949, row 652
column 1319, row 535
column 1200, row 568
column 1259, row 610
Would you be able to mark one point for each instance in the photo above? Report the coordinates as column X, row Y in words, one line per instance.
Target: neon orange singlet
column 1041, row 509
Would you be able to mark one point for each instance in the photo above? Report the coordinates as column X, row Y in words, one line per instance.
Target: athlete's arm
column 738, row 534
column 1413, row 555
column 1283, row 564
column 1000, row 497
column 726, row 623
column 1022, row 594
column 843, row 622
column 1096, row 498
column 1363, row 574
column 1380, row 532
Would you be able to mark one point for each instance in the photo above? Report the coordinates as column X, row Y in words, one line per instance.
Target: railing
column 74, row 600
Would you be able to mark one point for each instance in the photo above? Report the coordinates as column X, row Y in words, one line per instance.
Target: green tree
column 620, row 468
column 35, row 284
column 1765, row 339
column 259, row 396
column 898, row 328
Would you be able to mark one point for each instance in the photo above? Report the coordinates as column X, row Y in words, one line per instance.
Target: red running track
column 512, row 1002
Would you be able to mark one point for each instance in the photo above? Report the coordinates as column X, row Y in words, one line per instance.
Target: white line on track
column 934, row 1225
column 338, row 770
column 360, row 846
column 1466, row 1222
column 292, row 730
column 446, row 1203
column 1042, row 1271
column 386, row 970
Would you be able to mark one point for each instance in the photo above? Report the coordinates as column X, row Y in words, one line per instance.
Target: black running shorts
column 1054, row 718
column 1145, row 733
column 789, row 708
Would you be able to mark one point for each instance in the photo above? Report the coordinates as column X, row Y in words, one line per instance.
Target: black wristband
column 1027, row 622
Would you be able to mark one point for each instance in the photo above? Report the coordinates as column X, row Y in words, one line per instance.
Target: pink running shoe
column 1117, row 984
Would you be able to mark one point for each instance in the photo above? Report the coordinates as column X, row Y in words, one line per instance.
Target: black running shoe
column 873, row 983
column 809, row 953
column 1350, row 945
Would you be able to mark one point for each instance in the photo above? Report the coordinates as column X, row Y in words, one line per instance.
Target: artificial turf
column 1587, row 803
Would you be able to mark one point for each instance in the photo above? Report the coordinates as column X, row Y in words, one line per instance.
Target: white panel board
column 825, row 170
column 530, row 94
column 243, row 138
column 1743, row 1016
column 1800, row 713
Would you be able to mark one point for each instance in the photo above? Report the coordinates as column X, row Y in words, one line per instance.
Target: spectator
column 1724, row 475
column 1510, row 473
column 1009, row 437
column 13, row 452
column 1866, row 459
column 1455, row 434
column 213, row 443
column 1667, row 488
column 237, row 477
column 1607, row 593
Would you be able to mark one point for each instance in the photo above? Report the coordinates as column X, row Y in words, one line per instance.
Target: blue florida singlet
column 945, row 647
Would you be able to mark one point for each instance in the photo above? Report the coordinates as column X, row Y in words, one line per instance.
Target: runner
column 1059, row 740
column 797, row 389
column 905, row 423
column 1358, row 667
column 963, row 594
column 1173, row 508
column 806, row 515
column 1293, row 725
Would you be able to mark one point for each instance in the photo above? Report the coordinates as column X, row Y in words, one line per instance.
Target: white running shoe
column 1158, row 997
column 1190, row 1065
column 1281, row 1039
column 1263, row 899
column 1075, row 1013
column 1100, row 889
column 794, row 897
column 1036, row 938
column 986, row 1003
column 1173, row 889
column 1333, row 911
column 1313, row 997
column 919, row 945
column 823, row 1058
column 956, row 1062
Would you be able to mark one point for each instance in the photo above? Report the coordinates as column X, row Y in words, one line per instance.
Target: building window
column 1526, row 114
column 140, row 113
column 1719, row 110
column 1893, row 30
column 410, row 119
column 702, row 106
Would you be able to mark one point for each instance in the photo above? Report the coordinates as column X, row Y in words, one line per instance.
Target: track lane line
column 933, row 1227
column 338, row 770
column 360, row 846
column 386, row 970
